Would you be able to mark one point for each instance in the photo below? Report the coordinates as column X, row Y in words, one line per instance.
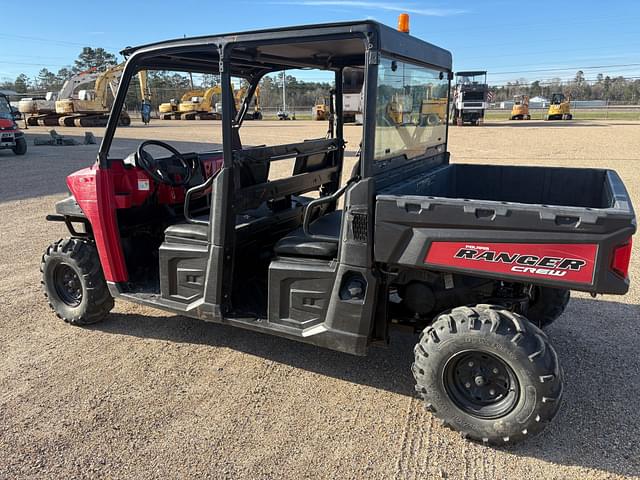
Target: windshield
column 411, row 109
column 5, row 109
column 470, row 79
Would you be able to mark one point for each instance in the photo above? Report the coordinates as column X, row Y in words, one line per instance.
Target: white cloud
column 393, row 7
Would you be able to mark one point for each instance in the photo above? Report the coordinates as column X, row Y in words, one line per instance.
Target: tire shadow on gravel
column 598, row 426
column 384, row 367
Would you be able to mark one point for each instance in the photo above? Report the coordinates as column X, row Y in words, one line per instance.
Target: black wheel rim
column 67, row 284
column 481, row 384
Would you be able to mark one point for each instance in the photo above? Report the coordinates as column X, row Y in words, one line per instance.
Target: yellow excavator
column 91, row 107
column 520, row 109
column 559, row 108
column 200, row 107
column 169, row 110
column 199, row 104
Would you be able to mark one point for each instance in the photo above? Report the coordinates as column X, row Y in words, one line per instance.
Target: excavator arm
column 108, row 80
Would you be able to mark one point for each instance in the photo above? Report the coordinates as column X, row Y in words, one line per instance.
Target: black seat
column 298, row 244
column 199, row 233
column 192, row 232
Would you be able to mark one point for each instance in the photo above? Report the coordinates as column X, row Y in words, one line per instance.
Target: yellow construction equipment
column 433, row 110
column 320, row 110
column 559, row 108
column 520, row 109
column 257, row 111
column 201, row 107
column 91, row 107
column 200, row 104
column 42, row 111
column 169, row 110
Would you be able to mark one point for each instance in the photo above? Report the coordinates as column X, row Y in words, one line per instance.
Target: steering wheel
column 162, row 170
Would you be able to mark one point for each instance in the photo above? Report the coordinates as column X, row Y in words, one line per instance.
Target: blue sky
column 511, row 40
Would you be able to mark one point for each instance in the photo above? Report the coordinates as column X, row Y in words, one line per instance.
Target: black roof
column 471, row 73
column 327, row 46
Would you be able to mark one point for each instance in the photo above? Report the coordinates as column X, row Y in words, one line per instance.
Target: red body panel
column 573, row 263
column 101, row 192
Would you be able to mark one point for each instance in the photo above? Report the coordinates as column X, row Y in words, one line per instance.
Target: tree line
column 614, row 89
column 46, row 80
column 300, row 93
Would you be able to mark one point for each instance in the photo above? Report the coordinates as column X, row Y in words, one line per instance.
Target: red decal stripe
column 572, row 263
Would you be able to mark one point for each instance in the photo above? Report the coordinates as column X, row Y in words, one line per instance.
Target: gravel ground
column 147, row 394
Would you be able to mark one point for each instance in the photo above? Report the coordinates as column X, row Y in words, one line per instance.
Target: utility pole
column 284, row 94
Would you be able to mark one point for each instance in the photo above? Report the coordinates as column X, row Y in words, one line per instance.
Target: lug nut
column 495, row 370
column 468, row 385
column 471, row 364
column 492, row 392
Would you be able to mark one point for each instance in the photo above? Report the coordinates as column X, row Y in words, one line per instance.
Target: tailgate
column 568, row 247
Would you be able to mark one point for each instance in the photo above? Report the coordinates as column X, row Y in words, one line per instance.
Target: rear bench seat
column 297, row 244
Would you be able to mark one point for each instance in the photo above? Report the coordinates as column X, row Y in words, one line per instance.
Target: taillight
column 621, row 259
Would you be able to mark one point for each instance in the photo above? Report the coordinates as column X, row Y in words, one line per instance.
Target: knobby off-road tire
column 471, row 352
column 547, row 305
column 73, row 282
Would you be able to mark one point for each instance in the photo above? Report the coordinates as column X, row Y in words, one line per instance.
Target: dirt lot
column 151, row 395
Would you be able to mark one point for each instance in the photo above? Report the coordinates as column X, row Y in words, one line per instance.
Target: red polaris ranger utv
column 11, row 137
column 478, row 258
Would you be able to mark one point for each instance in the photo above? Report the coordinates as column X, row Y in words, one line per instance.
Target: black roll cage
column 238, row 55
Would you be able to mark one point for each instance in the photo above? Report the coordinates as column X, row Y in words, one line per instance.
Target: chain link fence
column 579, row 111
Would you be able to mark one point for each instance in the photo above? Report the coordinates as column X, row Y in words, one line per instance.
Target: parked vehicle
column 11, row 137
column 520, row 109
column 470, row 98
column 42, row 110
column 477, row 258
column 559, row 108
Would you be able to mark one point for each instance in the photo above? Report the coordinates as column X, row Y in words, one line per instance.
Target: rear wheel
column 488, row 373
column 73, row 282
column 547, row 304
column 21, row 146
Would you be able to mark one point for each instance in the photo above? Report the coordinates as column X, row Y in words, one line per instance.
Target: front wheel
column 21, row 146
column 488, row 373
column 124, row 120
column 73, row 282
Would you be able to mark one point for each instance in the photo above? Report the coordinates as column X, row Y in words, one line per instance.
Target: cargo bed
column 546, row 225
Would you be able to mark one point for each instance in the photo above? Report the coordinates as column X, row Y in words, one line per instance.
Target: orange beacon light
column 403, row 22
